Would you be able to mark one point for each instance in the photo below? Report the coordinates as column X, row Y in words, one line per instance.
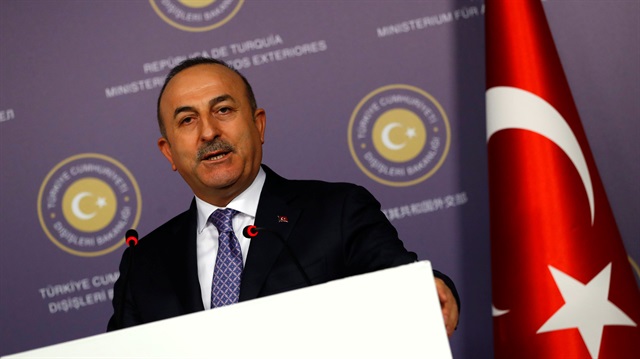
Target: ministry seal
column 196, row 15
column 87, row 202
column 399, row 135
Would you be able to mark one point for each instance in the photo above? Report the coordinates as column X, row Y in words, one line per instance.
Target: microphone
column 253, row 231
column 250, row 231
column 131, row 238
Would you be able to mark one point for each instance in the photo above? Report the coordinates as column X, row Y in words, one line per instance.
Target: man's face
column 212, row 137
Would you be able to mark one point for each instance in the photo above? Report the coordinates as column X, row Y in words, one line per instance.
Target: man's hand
column 448, row 305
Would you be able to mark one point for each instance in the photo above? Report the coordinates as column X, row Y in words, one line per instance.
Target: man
column 315, row 232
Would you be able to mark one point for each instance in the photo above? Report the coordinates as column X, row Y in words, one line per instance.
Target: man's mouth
column 214, row 150
column 215, row 156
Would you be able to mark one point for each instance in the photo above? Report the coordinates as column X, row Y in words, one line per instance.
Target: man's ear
column 165, row 148
column 260, row 120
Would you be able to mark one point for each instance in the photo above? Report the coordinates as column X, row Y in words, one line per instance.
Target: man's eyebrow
column 183, row 109
column 214, row 101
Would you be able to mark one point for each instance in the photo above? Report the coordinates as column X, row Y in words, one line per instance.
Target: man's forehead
column 204, row 76
column 206, row 72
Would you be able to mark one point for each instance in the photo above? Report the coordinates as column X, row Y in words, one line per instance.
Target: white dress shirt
column 207, row 237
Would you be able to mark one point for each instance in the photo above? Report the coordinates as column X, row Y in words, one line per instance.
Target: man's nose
column 209, row 129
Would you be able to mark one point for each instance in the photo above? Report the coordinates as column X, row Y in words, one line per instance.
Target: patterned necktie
column 228, row 270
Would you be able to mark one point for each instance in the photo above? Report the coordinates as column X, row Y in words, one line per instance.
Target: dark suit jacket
column 336, row 230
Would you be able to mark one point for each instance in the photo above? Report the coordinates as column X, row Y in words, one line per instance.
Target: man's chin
column 221, row 180
column 218, row 183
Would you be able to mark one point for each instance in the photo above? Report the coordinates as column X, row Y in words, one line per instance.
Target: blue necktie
column 228, row 270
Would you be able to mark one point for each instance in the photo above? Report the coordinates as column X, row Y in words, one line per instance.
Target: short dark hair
column 201, row 61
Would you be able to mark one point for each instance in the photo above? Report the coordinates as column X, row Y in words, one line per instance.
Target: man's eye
column 186, row 120
column 224, row 110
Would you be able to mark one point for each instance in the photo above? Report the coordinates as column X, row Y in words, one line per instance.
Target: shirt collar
column 246, row 202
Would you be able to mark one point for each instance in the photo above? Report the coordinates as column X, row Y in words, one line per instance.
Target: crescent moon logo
column 514, row 108
column 386, row 140
column 75, row 206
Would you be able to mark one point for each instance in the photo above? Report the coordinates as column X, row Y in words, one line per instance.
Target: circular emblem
column 196, row 15
column 86, row 204
column 399, row 135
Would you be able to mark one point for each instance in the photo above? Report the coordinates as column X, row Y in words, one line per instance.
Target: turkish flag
column 562, row 283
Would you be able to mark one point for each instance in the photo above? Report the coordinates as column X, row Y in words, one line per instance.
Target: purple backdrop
column 78, row 85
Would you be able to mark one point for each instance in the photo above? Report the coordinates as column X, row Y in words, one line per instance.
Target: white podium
column 392, row 313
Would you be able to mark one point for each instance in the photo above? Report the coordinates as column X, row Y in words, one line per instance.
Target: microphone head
column 250, row 231
column 131, row 237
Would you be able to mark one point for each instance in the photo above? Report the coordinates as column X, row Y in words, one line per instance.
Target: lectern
column 392, row 313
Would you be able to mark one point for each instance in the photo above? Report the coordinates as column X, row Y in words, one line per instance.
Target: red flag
column 562, row 283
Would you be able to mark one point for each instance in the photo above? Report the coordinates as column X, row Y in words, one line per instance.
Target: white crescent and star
column 514, row 108
column 386, row 139
column 75, row 205
column 586, row 306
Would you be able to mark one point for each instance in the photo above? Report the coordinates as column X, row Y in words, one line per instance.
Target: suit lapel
column 278, row 218
column 184, row 273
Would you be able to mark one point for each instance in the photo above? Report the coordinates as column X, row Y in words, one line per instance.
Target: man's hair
column 201, row 61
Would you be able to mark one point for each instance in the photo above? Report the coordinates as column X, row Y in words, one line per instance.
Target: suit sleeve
column 371, row 241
